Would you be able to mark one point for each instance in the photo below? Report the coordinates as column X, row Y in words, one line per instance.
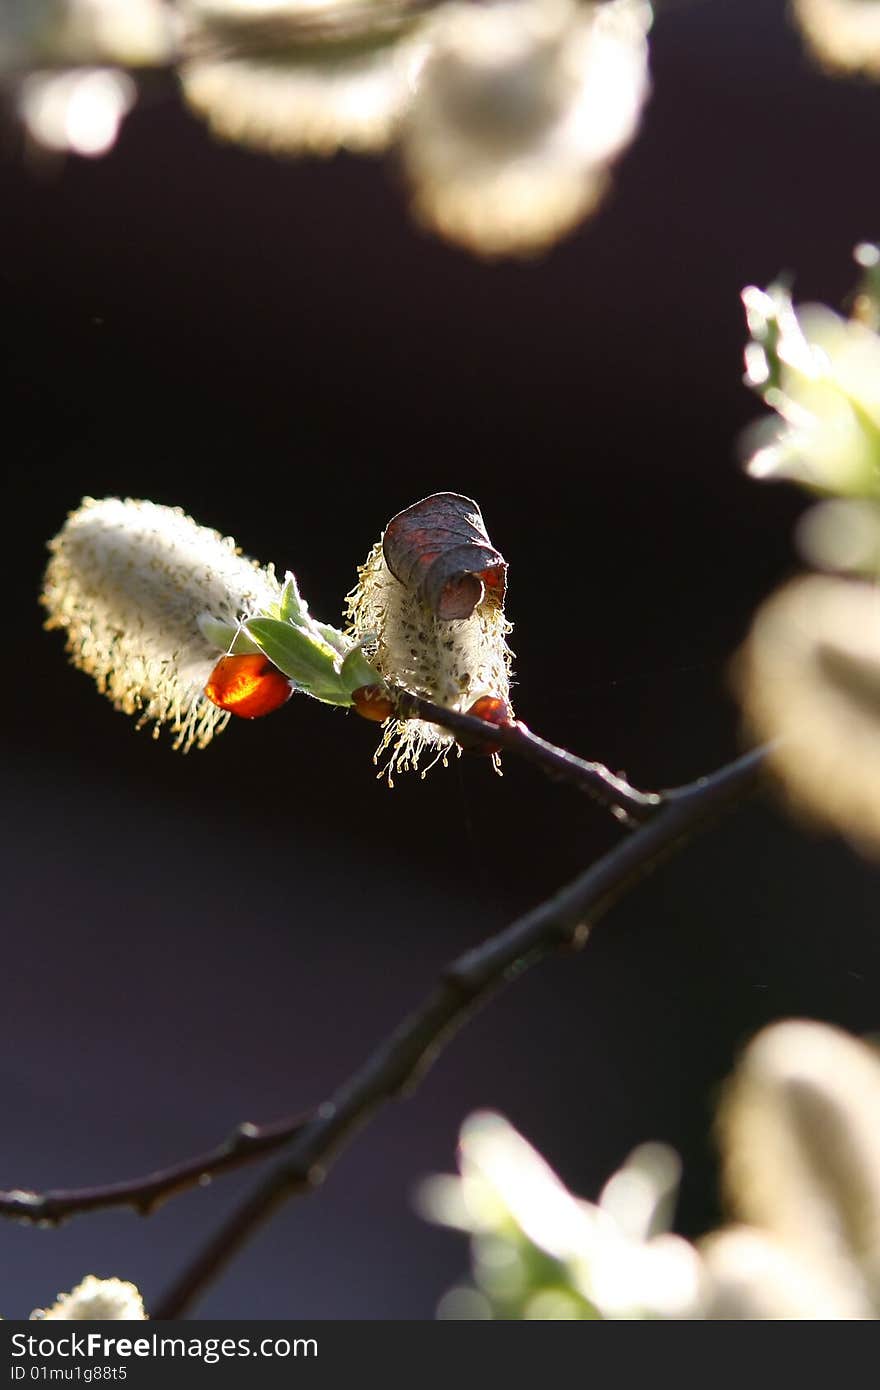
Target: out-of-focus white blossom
column 96, row 1300
column 541, row 1252
column 136, row 33
column 800, row 1140
column 133, row 33
column 799, row 1132
column 142, row 592
column 301, row 76
column 521, row 106
column 842, row 534
column 753, row 1275
column 808, row 680
column 808, row 675
column 79, row 111
column 821, row 374
column 843, row 34
column 799, row 1129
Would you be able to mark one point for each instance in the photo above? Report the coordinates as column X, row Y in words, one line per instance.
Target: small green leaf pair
column 319, row 659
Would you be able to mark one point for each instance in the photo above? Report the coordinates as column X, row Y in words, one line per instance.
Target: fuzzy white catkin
column 753, row 1275
column 96, row 1300
column 800, row 1129
column 843, row 34
column 303, row 79
column 452, row 662
column 520, row 109
column 128, row 582
column 808, row 679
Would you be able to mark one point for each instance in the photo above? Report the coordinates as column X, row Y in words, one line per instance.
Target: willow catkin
column 452, row 662
column 129, row 582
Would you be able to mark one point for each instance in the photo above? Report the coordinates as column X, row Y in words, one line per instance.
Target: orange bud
column 372, row 702
column 494, row 711
column 249, row 686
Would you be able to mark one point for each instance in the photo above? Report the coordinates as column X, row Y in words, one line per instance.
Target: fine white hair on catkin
column 452, row 662
column 128, row 582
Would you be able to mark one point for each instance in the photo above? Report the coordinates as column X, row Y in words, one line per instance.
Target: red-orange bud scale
column 494, row 711
column 372, row 702
column 248, row 686
column 494, row 579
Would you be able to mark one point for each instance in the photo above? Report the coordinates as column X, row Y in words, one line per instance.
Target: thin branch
column 398, row 1063
column 249, row 1142
column 608, row 788
column 246, row 1143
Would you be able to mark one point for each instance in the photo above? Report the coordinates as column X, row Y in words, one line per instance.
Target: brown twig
column 400, row 1060
column 249, row 1142
column 246, row 1143
column 608, row 788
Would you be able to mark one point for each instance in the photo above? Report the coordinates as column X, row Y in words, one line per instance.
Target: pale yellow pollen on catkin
column 452, row 663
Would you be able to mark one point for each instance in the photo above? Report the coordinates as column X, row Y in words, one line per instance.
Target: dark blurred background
column 192, row 941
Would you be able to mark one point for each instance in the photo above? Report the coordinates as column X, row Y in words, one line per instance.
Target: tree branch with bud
column 179, row 628
column 397, row 1065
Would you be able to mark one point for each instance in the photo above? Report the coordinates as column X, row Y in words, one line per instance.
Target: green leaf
column 226, row 637
column 305, row 659
column 338, row 641
column 242, row 644
column 357, row 671
column 292, row 607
